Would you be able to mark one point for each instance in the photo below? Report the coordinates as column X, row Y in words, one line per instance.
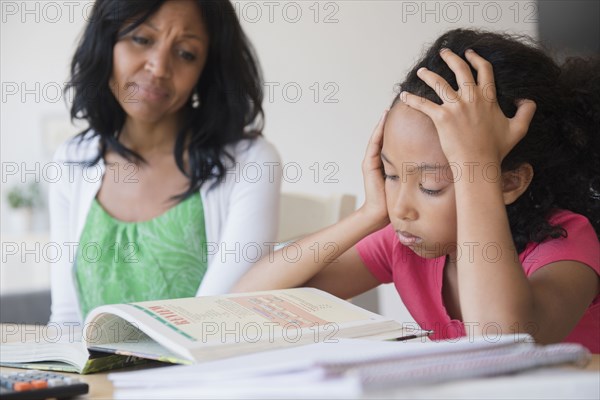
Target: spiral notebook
column 348, row 368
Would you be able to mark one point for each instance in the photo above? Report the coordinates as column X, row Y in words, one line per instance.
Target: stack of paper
column 346, row 369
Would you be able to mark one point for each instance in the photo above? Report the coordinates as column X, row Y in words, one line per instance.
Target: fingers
column 485, row 72
column 376, row 140
column 462, row 72
column 464, row 77
column 427, row 107
column 525, row 112
column 377, row 135
column 438, row 84
column 459, row 67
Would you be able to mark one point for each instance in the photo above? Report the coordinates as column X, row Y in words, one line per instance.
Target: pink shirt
column 419, row 280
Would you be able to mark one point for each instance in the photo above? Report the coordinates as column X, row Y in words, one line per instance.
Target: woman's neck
column 149, row 138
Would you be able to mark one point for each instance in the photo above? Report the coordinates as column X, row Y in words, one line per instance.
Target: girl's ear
column 516, row 182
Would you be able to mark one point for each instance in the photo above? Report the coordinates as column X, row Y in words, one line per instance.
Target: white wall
column 352, row 51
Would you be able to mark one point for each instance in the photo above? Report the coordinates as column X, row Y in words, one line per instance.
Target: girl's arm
column 327, row 259
column 494, row 291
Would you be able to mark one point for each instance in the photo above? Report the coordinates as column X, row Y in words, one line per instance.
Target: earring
column 195, row 100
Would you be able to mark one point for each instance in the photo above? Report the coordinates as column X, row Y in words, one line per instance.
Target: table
column 565, row 382
column 532, row 385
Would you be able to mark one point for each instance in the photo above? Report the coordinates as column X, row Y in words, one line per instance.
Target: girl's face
column 157, row 65
column 419, row 183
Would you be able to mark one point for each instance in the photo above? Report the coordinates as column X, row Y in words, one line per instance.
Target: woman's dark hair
column 230, row 87
column 563, row 140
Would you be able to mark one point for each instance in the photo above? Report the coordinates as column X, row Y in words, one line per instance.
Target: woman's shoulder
column 80, row 148
column 254, row 149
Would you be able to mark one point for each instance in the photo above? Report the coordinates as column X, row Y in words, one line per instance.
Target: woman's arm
column 493, row 288
column 327, row 259
column 249, row 223
column 64, row 306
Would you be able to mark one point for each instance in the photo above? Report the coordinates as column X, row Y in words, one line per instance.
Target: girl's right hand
column 375, row 208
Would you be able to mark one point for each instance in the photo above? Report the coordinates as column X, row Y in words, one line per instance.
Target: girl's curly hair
column 563, row 141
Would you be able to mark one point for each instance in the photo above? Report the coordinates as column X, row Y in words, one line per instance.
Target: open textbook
column 198, row 329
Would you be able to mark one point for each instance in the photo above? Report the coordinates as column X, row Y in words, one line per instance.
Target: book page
column 255, row 317
column 53, row 349
column 259, row 319
column 64, row 356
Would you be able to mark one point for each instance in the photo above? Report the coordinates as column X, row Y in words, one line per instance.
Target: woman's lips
column 151, row 92
column 408, row 239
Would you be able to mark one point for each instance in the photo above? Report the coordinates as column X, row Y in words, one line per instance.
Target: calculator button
column 22, row 386
column 39, row 384
column 55, row 382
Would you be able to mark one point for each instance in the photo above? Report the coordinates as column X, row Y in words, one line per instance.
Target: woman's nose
column 159, row 63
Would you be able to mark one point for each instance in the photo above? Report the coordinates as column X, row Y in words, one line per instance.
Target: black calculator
column 37, row 385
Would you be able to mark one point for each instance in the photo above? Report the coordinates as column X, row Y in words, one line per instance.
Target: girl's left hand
column 470, row 123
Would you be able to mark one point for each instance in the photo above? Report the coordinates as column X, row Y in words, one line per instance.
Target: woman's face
column 157, row 65
column 419, row 183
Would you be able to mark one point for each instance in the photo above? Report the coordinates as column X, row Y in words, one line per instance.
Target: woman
column 153, row 202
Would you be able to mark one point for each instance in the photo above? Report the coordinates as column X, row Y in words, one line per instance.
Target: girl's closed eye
column 429, row 192
column 388, row 177
column 433, row 180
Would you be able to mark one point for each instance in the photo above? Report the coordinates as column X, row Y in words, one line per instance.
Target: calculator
column 37, row 385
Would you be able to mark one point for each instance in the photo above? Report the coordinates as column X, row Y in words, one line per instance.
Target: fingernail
column 421, row 70
column 469, row 51
column 443, row 49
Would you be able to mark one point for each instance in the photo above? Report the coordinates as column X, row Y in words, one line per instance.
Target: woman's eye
column 390, row 177
column 429, row 192
column 186, row 55
column 140, row 40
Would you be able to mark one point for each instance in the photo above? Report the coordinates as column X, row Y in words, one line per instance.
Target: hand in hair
column 470, row 122
column 372, row 169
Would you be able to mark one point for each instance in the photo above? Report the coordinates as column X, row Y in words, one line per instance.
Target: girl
column 151, row 193
column 487, row 211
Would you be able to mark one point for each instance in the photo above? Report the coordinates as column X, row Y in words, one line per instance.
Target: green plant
column 24, row 196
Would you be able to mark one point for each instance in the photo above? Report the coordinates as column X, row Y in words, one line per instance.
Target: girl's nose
column 403, row 206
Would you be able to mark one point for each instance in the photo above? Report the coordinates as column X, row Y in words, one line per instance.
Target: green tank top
column 124, row 262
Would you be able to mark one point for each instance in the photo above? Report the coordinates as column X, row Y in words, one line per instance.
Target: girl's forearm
column 493, row 288
column 298, row 262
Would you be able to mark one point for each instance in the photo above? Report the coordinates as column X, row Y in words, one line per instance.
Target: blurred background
column 330, row 68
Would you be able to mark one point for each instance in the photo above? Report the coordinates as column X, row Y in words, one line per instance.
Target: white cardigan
column 241, row 216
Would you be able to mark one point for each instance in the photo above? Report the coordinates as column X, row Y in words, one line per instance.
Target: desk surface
column 555, row 383
column 564, row 382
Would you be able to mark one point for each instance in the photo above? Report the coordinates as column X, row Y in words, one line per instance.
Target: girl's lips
column 408, row 239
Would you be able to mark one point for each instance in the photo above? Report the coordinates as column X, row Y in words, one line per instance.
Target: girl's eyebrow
column 428, row 167
column 419, row 167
